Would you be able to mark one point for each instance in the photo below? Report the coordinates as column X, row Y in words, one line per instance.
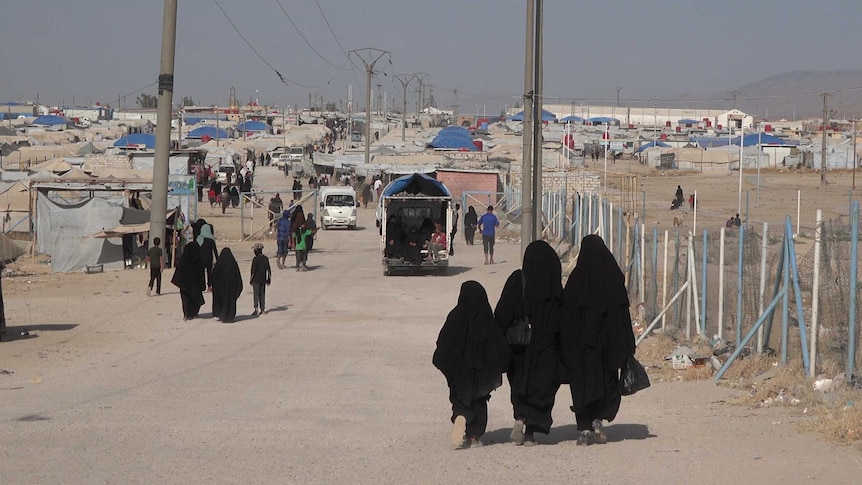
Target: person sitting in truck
column 412, row 248
column 394, row 237
column 437, row 242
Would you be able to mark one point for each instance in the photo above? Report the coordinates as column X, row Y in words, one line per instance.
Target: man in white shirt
column 378, row 187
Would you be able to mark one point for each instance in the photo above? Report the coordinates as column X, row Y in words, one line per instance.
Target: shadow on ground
column 569, row 432
column 26, row 332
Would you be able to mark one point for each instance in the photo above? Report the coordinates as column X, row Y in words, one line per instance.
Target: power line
column 306, row 40
column 133, row 92
column 287, row 81
column 330, row 30
column 738, row 98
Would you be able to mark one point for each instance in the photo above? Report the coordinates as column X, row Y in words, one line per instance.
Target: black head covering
column 226, row 282
column 596, row 334
column 297, row 218
column 472, row 351
column 189, row 274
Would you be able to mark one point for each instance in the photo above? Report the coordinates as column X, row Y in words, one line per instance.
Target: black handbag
column 633, row 377
column 519, row 333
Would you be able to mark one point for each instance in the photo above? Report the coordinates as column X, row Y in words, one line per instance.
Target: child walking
column 261, row 277
column 156, row 261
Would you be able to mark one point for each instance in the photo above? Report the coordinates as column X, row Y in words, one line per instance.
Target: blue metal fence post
column 703, row 287
column 652, row 308
column 851, row 319
column 800, row 314
column 739, row 285
column 785, row 301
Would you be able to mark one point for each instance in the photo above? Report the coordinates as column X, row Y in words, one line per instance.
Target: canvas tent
column 209, row 131
column 546, row 116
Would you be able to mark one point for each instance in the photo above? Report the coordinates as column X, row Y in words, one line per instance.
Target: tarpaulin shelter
column 137, row 139
column 603, row 120
column 209, row 131
column 455, row 131
column 546, row 116
column 572, row 119
column 252, row 125
column 452, row 143
column 49, row 120
column 753, row 139
column 56, row 165
column 417, row 183
column 652, row 144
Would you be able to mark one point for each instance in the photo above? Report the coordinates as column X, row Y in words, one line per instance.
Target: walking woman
column 226, row 286
column 535, row 291
column 470, row 221
column 209, row 252
column 596, row 337
column 189, row 278
column 472, row 353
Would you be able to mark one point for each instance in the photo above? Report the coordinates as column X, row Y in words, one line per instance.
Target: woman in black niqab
column 596, row 337
column 472, row 353
column 189, row 278
column 535, row 290
column 227, row 286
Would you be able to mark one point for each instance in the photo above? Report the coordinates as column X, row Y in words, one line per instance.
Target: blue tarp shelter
column 209, row 131
column 417, row 183
column 572, row 119
column 251, row 125
column 603, row 120
column 455, row 131
column 546, row 116
column 145, row 139
column 710, row 141
column 652, row 144
column 753, row 139
column 453, row 143
column 49, row 120
column 687, row 122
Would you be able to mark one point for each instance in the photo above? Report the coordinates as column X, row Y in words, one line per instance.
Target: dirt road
column 334, row 385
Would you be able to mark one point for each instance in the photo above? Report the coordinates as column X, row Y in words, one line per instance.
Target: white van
column 337, row 206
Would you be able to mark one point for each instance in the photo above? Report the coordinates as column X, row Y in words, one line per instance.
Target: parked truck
column 404, row 206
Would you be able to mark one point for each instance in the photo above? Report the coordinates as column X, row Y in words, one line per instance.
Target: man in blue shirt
column 488, row 224
column 283, row 237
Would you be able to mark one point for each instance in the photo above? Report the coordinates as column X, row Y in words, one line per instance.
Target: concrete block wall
column 98, row 163
column 458, row 182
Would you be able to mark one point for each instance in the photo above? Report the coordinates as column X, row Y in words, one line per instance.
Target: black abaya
column 472, row 353
column 596, row 334
column 189, row 278
column 532, row 372
column 227, row 286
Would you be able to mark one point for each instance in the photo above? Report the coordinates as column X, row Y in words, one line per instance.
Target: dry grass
column 837, row 414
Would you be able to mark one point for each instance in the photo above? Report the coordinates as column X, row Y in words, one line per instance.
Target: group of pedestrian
column 295, row 230
column 541, row 335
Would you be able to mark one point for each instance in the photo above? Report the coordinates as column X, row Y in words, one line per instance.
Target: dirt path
column 335, row 385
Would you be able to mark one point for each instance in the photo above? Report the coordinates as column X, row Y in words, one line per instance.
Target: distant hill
column 781, row 95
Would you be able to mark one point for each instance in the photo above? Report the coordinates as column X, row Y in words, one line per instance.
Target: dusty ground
column 336, row 385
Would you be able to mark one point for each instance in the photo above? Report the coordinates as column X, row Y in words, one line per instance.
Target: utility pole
column 527, row 134
column 618, row 101
column 420, row 77
column 455, row 105
column 404, row 79
column 854, row 151
column 538, row 48
column 823, row 143
column 159, row 207
column 369, row 57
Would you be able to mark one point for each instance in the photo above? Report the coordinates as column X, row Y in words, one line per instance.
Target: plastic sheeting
column 61, row 231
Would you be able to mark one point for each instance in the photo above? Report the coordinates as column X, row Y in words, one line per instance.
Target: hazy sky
column 97, row 50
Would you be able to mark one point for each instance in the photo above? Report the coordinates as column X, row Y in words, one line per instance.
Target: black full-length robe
column 472, row 353
column 227, row 286
column 536, row 290
column 189, row 278
column 596, row 334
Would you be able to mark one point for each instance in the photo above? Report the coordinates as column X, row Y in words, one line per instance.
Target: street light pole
column 159, row 204
column 369, row 57
column 404, row 79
